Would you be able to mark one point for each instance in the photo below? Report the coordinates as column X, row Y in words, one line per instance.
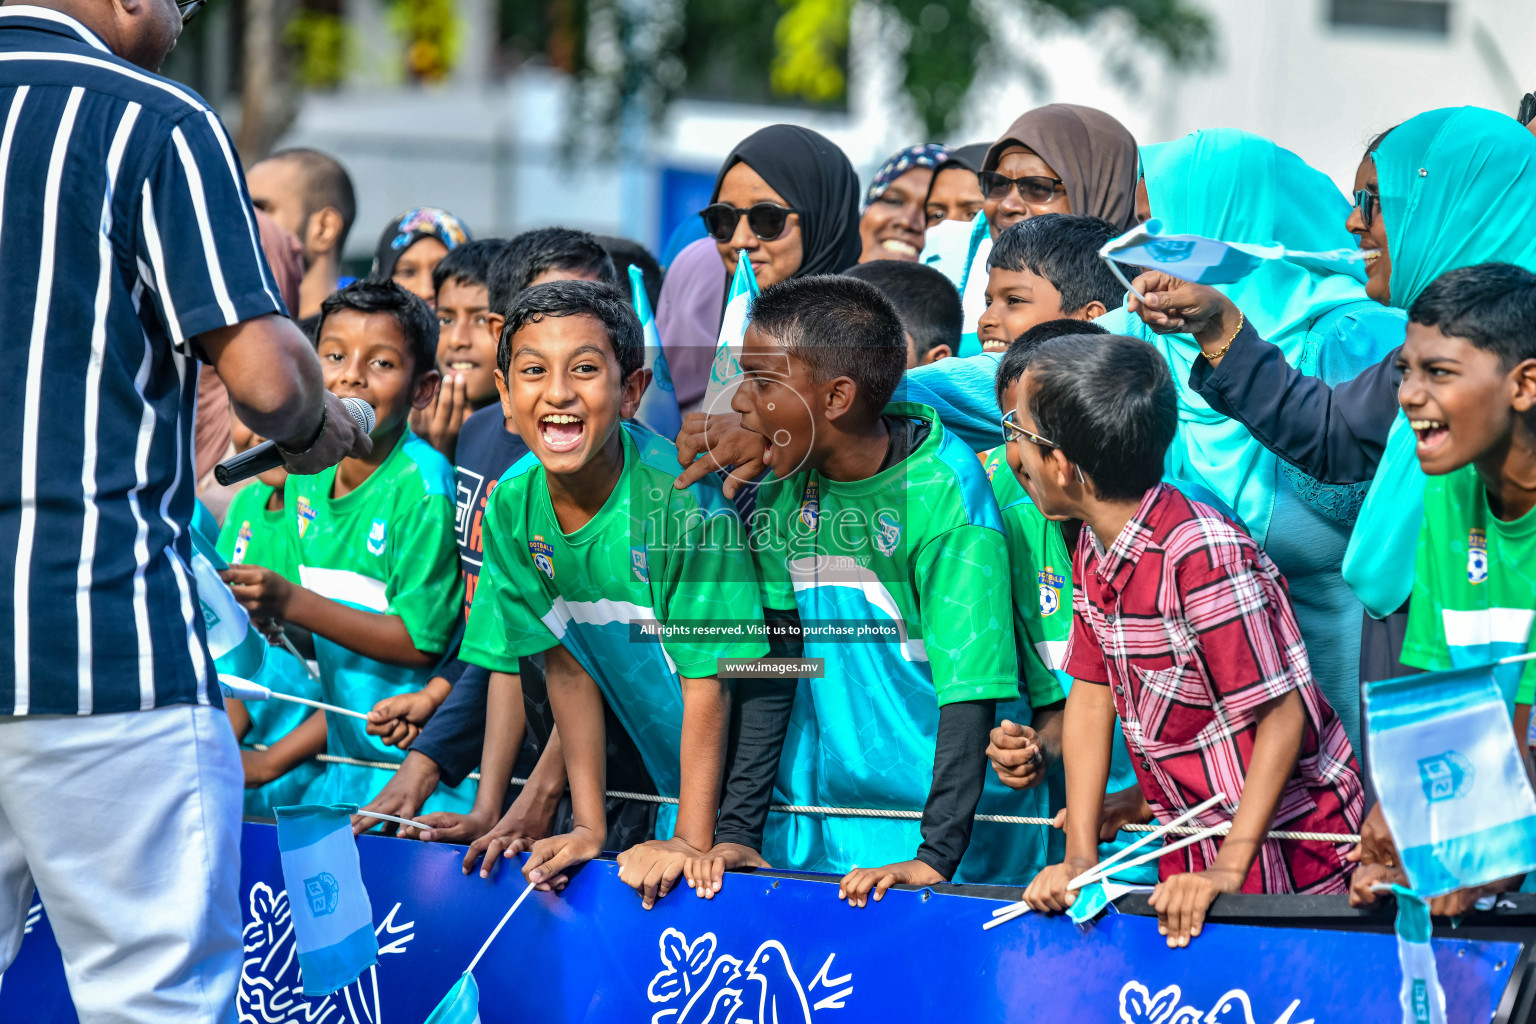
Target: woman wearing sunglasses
column 789, row 199
column 1061, row 158
column 955, row 193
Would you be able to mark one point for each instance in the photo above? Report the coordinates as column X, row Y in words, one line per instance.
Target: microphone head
column 362, row 413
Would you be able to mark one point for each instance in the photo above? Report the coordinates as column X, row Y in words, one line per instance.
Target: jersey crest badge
column 887, row 533
column 810, row 504
column 242, row 543
column 376, row 538
column 1477, row 557
column 306, row 513
column 1050, row 590
column 543, row 555
column 637, row 562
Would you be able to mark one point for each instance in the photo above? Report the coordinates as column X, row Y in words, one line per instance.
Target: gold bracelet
column 1213, row 356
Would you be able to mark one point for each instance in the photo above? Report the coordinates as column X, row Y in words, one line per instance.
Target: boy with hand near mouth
column 874, row 514
column 466, row 346
column 583, row 539
column 371, row 542
column 1469, row 386
column 1182, row 628
column 1047, row 268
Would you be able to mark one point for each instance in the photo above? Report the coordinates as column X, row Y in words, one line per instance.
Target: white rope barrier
column 870, row 812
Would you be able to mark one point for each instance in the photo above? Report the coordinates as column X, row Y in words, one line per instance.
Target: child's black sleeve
column 759, row 721
column 959, row 772
column 455, row 734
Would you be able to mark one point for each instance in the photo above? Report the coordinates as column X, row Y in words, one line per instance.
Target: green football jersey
column 656, row 587
column 1474, row 585
column 902, row 586
column 387, row 547
column 252, row 533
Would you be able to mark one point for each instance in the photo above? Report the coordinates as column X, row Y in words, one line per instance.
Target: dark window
column 1428, row 16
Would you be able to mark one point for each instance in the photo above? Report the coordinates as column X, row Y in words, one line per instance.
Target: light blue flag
column 1450, row 779
column 461, row 1005
column 959, row 251
column 1422, row 998
column 658, row 406
column 332, row 916
column 236, row 648
column 1209, row 261
column 725, row 372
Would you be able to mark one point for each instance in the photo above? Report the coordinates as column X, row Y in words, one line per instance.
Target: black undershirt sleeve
column 759, row 721
column 959, row 772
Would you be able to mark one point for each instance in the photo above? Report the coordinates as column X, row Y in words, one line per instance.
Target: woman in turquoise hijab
column 1239, row 187
column 1446, row 189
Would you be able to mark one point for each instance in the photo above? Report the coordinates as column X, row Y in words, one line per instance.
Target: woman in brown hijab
column 1061, row 158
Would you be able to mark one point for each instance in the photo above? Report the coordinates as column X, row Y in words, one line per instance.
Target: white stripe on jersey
column 46, row 14
column 83, row 579
column 106, row 65
column 6, row 139
column 1052, row 652
column 239, row 178
column 345, row 585
column 204, row 228
column 604, row 612
column 1487, row 626
column 141, row 527
column 177, row 568
column 32, row 401
column 806, row 574
column 157, row 282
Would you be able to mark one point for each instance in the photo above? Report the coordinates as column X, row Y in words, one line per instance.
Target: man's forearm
column 706, row 719
column 371, row 634
column 272, row 375
column 1087, row 741
column 1276, row 745
column 504, row 725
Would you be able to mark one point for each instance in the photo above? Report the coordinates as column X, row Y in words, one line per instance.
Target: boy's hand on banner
column 1378, row 859
column 652, row 868
column 858, row 883
column 1366, row 877
column 1175, row 306
column 705, row 873
column 263, row 593
column 402, row 796
column 449, row 827
column 710, row 443
column 1017, row 756
column 1047, row 892
column 553, row 861
column 525, row 823
column 1181, row 902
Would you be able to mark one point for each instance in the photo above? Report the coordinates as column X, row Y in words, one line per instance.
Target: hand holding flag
column 725, row 372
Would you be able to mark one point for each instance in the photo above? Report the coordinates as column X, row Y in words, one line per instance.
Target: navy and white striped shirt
column 125, row 231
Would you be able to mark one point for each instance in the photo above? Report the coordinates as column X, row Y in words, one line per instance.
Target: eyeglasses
column 1013, row 432
column 1032, row 188
column 1366, row 202
column 767, row 220
column 189, row 9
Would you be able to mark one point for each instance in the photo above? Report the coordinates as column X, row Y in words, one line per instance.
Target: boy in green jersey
column 880, row 530
column 632, row 589
column 372, row 545
column 1468, row 390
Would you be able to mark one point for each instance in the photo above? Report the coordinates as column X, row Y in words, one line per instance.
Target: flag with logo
column 1422, row 998
column 658, row 406
column 332, row 917
column 1450, row 779
column 1210, row 261
column 959, row 251
column 725, row 372
column 236, row 648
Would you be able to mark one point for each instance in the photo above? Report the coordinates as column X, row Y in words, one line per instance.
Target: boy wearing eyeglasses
column 877, row 527
column 1183, row 628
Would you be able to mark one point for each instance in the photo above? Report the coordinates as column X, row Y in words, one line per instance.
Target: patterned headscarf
column 410, row 227
column 929, row 154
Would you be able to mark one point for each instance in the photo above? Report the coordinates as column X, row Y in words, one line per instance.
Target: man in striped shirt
column 128, row 249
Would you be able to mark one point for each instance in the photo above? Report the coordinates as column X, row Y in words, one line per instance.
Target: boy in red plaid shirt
column 1187, row 628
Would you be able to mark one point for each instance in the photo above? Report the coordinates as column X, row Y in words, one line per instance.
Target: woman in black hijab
column 955, row 194
column 789, row 198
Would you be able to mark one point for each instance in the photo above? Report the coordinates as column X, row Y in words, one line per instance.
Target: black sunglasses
column 1032, row 188
column 767, row 220
column 1366, row 202
column 189, row 9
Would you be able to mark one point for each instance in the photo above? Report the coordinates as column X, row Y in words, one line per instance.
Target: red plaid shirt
column 1191, row 624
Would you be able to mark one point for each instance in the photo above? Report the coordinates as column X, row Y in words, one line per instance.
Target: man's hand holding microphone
column 342, row 432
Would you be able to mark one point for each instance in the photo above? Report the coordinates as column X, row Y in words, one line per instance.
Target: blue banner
column 785, row 946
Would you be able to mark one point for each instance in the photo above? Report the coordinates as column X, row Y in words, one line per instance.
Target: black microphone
column 259, row 458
